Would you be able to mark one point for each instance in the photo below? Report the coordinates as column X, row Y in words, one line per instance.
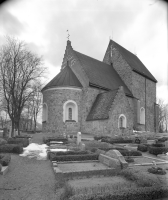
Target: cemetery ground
column 31, row 179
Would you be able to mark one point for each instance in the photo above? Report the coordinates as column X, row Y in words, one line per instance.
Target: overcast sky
column 138, row 25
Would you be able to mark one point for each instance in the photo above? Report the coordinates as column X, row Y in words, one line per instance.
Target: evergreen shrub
column 23, row 141
column 142, row 148
column 10, row 148
column 5, row 159
column 157, row 150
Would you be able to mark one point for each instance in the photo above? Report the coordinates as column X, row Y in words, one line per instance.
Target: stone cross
column 78, row 138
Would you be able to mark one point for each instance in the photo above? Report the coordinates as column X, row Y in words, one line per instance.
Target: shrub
column 139, row 193
column 23, row 141
column 64, row 153
column 157, row 150
column 8, row 148
column 2, row 141
column 163, row 139
column 116, row 140
column 52, row 157
column 5, row 159
column 68, row 192
column 142, row 148
column 58, row 138
column 157, row 170
column 129, row 159
column 100, row 137
column 18, row 149
column 158, row 145
column 126, row 152
column 91, row 144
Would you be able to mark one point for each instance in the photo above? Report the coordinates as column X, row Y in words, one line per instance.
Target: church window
column 122, row 121
column 70, row 111
column 142, row 115
column 45, row 112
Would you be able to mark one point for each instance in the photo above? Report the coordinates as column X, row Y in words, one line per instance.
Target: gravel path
column 28, row 179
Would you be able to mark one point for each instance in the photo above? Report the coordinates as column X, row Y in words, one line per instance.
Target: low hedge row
column 23, row 141
column 11, row 148
column 158, row 145
column 2, row 141
column 94, row 156
column 142, row 148
column 117, row 140
column 57, row 138
column 5, row 159
column 157, row 150
column 140, row 193
column 126, row 152
column 101, row 137
column 63, row 153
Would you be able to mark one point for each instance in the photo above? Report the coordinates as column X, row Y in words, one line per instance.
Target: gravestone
column 110, row 162
column 117, row 155
column 166, row 144
column 78, row 138
column 82, row 146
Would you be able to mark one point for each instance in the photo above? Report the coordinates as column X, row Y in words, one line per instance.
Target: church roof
column 101, row 74
column 101, row 106
column 65, row 78
column 134, row 62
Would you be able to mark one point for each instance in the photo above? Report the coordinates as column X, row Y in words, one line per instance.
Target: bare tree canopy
column 20, row 69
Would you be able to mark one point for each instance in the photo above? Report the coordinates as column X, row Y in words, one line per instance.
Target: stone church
column 110, row 97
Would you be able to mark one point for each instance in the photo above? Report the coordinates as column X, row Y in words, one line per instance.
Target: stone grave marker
column 10, row 132
column 117, row 155
column 166, row 144
column 78, row 138
column 82, row 146
column 110, row 162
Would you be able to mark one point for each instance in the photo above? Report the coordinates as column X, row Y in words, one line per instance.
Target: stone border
column 4, row 170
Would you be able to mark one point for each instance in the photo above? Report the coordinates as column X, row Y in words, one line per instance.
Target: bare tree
column 19, row 70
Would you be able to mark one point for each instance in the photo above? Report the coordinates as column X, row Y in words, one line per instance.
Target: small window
column 45, row 112
column 122, row 121
column 70, row 113
column 142, row 115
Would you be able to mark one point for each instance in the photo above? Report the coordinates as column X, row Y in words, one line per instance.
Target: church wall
column 119, row 64
column 109, row 126
column 55, row 100
column 144, row 90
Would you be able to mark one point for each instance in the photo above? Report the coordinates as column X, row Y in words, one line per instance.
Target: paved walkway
column 28, row 179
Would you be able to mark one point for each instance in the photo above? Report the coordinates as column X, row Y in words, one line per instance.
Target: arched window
column 142, row 115
column 70, row 114
column 70, row 111
column 122, row 121
column 45, row 112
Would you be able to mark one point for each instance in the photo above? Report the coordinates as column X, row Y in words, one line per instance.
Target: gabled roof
column 101, row 74
column 101, row 106
column 134, row 62
column 65, row 78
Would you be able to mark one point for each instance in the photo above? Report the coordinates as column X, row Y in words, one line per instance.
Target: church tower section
column 62, row 103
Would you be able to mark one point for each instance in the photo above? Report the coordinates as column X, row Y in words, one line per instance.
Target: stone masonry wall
column 55, row 100
column 109, row 126
column 119, row 64
column 145, row 90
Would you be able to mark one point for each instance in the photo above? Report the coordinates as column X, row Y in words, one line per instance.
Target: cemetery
column 95, row 166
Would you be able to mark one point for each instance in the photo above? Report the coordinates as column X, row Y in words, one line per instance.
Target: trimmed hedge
column 53, row 157
column 2, row 141
column 142, row 148
column 57, row 138
column 5, row 159
column 63, row 153
column 157, row 150
column 101, row 137
column 157, row 170
column 117, row 140
column 23, row 141
column 11, row 148
column 163, row 139
column 126, row 152
column 140, row 193
column 158, row 145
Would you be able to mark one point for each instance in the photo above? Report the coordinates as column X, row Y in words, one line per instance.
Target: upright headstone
column 166, row 144
column 10, row 132
column 82, row 146
column 78, row 138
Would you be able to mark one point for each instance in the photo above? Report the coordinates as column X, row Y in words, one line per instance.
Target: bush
column 116, row 140
column 129, row 159
column 158, row 145
column 157, row 150
column 100, row 137
column 163, row 139
column 61, row 153
column 68, row 192
column 5, row 159
column 157, row 170
column 9, row 148
column 95, row 144
column 18, row 149
column 58, row 138
column 2, row 141
column 142, row 148
column 53, row 157
column 140, row 193
column 23, row 141
column 126, row 152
